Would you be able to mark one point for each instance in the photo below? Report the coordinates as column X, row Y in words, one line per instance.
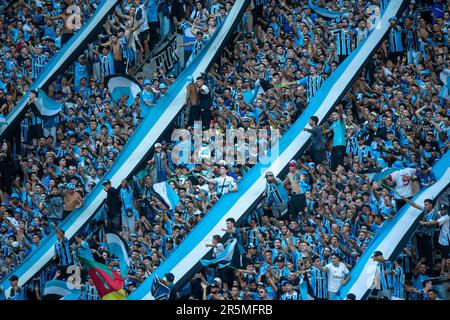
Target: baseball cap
column 377, row 254
column 443, row 207
column 292, row 163
column 106, row 181
column 245, row 119
column 158, row 145
column 169, row 276
column 280, row 259
column 147, row 81
column 162, row 86
column 268, row 173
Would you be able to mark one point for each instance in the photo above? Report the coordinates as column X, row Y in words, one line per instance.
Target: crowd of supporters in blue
column 313, row 224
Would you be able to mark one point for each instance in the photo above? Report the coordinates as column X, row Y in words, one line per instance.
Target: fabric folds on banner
column 326, row 13
column 61, row 288
column 109, row 284
column 159, row 290
column 46, row 107
column 123, row 85
column 118, row 247
column 224, row 259
column 168, row 195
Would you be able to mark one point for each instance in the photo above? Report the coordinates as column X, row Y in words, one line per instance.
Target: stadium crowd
column 319, row 219
column 50, row 164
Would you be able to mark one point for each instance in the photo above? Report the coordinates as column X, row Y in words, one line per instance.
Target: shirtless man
column 117, row 51
column 292, row 183
column 72, row 200
column 72, row 22
column 192, row 103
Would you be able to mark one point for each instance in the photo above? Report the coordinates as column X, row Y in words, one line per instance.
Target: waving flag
column 326, row 13
column 108, row 283
column 383, row 174
column 159, row 290
column 123, row 85
column 62, row 289
column 223, row 259
column 165, row 191
column 44, row 106
column 118, row 247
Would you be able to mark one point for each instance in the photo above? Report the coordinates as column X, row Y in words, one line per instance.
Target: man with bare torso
column 117, row 51
column 72, row 22
column 192, row 102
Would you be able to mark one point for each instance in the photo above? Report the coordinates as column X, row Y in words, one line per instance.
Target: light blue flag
column 118, row 247
column 168, row 195
column 224, row 259
column 326, row 13
column 61, row 288
column 45, row 106
column 123, row 85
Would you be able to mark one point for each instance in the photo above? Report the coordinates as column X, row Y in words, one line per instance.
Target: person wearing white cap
column 159, row 161
column 147, row 98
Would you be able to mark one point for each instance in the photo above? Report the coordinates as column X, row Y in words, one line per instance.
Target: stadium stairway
column 393, row 235
column 61, row 61
column 159, row 119
column 183, row 262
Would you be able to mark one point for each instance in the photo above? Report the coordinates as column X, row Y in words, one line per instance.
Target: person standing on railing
column 153, row 24
column 192, row 102
column 113, row 206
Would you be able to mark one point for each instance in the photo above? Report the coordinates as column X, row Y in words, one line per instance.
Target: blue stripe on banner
column 439, row 170
column 156, row 121
column 249, row 181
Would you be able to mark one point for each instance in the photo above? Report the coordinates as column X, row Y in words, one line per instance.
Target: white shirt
column 335, row 276
column 444, row 234
column 223, row 184
column 403, row 184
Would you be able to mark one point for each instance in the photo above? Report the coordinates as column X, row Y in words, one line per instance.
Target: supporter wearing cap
column 16, row 293
column 382, row 280
column 113, row 205
column 426, row 176
column 159, row 161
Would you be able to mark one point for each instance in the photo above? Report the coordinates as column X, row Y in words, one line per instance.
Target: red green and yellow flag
column 109, row 284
